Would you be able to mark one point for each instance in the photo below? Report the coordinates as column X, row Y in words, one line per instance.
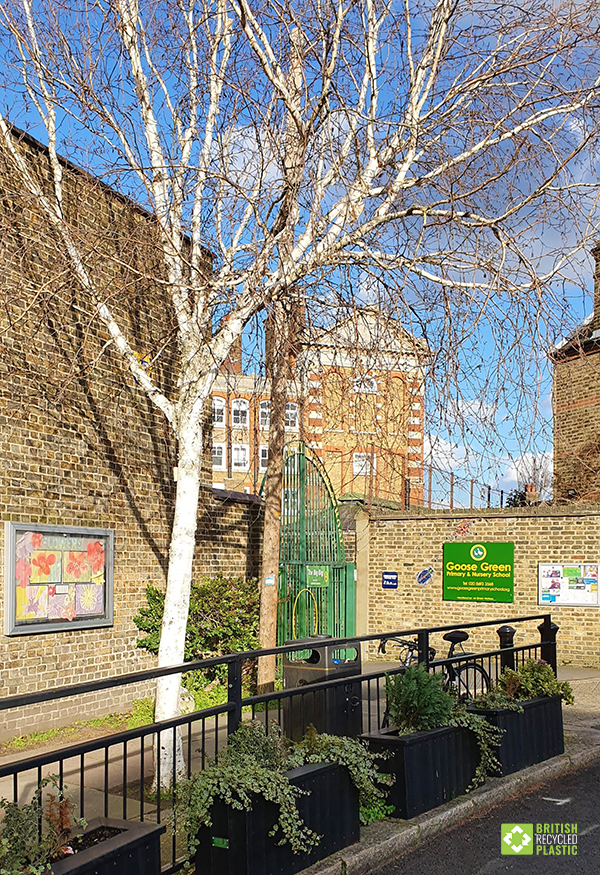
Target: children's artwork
column 570, row 584
column 61, row 578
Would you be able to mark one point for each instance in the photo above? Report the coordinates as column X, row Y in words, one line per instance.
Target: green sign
column 480, row 572
column 318, row 575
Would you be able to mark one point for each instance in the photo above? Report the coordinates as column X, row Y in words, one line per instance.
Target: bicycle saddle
column 457, row 636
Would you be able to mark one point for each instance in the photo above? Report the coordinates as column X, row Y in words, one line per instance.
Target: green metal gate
column 316, row 584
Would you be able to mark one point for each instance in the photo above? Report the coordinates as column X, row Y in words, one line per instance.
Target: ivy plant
column 254, row 763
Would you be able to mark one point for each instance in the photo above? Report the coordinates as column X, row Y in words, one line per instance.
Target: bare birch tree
column 440, row 147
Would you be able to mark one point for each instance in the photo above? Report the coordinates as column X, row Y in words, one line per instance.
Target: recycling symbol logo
column 517, row 838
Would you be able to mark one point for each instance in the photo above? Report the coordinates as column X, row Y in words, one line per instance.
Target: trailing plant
column 24, row 850
column 417, row 700
column 488, row 741
column 254, row 763
column 245, row 769
column 495, row 698
column 535, row 679
column 360, row 762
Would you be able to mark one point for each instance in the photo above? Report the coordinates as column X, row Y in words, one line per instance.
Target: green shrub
column 223, row 618
column 417, row 700
column 534, row 680
column 23, row 850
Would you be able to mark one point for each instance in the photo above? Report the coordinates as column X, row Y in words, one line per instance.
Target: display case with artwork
column 57, row 578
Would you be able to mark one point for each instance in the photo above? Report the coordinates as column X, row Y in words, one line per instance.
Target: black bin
column 336, row 710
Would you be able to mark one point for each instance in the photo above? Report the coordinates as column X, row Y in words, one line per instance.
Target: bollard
column 548, row 631
column 507, row 642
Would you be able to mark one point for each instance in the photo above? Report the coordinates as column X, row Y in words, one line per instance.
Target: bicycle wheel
column 471, row 681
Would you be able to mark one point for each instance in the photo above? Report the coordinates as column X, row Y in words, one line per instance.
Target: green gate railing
column 316, row 584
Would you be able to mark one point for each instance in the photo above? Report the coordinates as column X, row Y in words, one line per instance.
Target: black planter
column 530, row 736
column 238, row 842
column 135, row 851
column 430, row 767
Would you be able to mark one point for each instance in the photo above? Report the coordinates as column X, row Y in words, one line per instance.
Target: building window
column 218, row 456
column 218, row 411
column 263, row 458
column 365, row 385
column 264, row 414
column 239, row 412
column 239, row 457
column 291, row 416
column 361, row 464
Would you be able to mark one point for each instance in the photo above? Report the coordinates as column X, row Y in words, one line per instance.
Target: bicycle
column 468, row 680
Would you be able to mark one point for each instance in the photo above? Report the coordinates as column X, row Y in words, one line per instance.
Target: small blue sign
column 389, row 579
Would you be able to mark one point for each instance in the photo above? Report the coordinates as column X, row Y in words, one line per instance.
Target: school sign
column 480, row 572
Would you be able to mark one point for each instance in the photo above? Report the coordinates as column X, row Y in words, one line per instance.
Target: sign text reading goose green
column 480, row 572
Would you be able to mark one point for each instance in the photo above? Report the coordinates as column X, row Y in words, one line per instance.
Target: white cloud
column 442, row 454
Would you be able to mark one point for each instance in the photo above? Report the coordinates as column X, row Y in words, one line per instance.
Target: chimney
column 596, row 318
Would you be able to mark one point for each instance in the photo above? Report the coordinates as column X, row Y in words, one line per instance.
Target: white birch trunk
column 177, row 596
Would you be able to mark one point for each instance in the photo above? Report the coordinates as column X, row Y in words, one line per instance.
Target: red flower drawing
column 95, row 556
column 44, row 562
column 36, row 540
column 77, row 565
column 22, row 572
column 69, row 612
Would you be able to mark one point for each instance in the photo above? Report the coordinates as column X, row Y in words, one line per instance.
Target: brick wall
column 409, row 543
column 576, row 424
column 80, row 444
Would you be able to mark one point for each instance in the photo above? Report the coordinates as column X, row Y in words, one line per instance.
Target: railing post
column 234, row 695
column 506, row 634
column 548, row 631
column 423, row 644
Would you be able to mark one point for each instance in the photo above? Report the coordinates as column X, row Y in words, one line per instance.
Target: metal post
column 506, row 635
column 472, row 488
column 234, row 695
column 423, row 644
column 489, row 496
column 429, row 488
column 502, row 498
column 548, row 631
column 452, row 490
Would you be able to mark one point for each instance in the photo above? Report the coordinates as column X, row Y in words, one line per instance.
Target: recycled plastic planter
column 135, row 851
column 530, row 736
column 238, row 842
column 431, row 767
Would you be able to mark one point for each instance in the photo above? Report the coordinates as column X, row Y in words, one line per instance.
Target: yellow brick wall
column 406, row 544
column 80, row 445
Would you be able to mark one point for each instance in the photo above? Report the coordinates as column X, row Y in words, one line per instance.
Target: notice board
column 573, row 583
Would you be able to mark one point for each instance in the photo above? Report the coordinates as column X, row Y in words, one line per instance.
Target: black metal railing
column 124, row 774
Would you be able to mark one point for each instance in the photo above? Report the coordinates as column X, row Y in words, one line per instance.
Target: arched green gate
column 316, row 584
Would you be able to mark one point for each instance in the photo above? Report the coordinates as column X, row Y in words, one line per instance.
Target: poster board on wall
column 572, row 583
column 57, row 578
column 480, row 572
